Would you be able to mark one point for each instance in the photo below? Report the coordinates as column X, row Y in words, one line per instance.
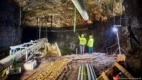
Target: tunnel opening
column 33, row 33
column 9, row 27
column 29, row 34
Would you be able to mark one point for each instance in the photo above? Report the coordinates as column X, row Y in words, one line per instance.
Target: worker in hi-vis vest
column 90, row 44
column 82, row 42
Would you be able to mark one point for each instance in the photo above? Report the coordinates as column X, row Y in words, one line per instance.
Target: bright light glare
column 114, row 29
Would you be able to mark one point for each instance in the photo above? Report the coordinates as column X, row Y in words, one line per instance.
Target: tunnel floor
column 100, row 61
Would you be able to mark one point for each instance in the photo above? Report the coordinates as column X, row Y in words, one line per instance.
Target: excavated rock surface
column 133, row 19
column 60, row 13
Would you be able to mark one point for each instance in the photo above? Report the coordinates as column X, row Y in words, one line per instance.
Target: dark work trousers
column 90, row 49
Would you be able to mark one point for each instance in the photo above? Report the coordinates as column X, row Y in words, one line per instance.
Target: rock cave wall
column 68, row 40
column 133, row 19
column 10, row 32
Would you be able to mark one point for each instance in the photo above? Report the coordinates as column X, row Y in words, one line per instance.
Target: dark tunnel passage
column 10, row 31
column 30, row 33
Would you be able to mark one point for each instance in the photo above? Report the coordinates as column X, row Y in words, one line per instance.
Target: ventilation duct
column 81, row 8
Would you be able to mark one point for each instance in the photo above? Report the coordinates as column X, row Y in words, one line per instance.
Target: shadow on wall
column 10, row 33
column 32, row 33
column 29, row 34
column 52, row 37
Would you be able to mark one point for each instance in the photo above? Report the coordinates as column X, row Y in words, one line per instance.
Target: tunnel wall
column 68, row 40
column 134, row 20
column 10, row 31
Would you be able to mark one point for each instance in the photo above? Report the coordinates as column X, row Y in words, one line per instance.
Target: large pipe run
column 81, row 8
column 86, row 73
column 6, row 62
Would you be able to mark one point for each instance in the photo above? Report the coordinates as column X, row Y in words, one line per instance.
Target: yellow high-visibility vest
column 82, row 40
column 90, row 42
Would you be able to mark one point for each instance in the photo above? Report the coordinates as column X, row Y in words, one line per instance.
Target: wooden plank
column 109, row 70
column 104, row 76
column 99, row 78
column 26, row 78
column 122, row 69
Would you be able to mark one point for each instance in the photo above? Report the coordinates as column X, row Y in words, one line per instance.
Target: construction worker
column 90, row 44
column 82, row 42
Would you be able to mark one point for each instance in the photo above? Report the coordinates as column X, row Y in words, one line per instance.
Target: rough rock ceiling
column 60, row 13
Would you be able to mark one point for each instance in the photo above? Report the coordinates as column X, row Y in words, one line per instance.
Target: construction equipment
column 28, row 50
column 120, row 57
column 53, row 50
column 20, row 51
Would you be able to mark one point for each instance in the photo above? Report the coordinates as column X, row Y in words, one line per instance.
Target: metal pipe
column 6, row 62
column 40, row 31
column 91, row 73
column 78, row 78
column 118, row 42
column 88, row 72
column 85, row 75
column 81, row 73
column 76, row 50
column 81, row 8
